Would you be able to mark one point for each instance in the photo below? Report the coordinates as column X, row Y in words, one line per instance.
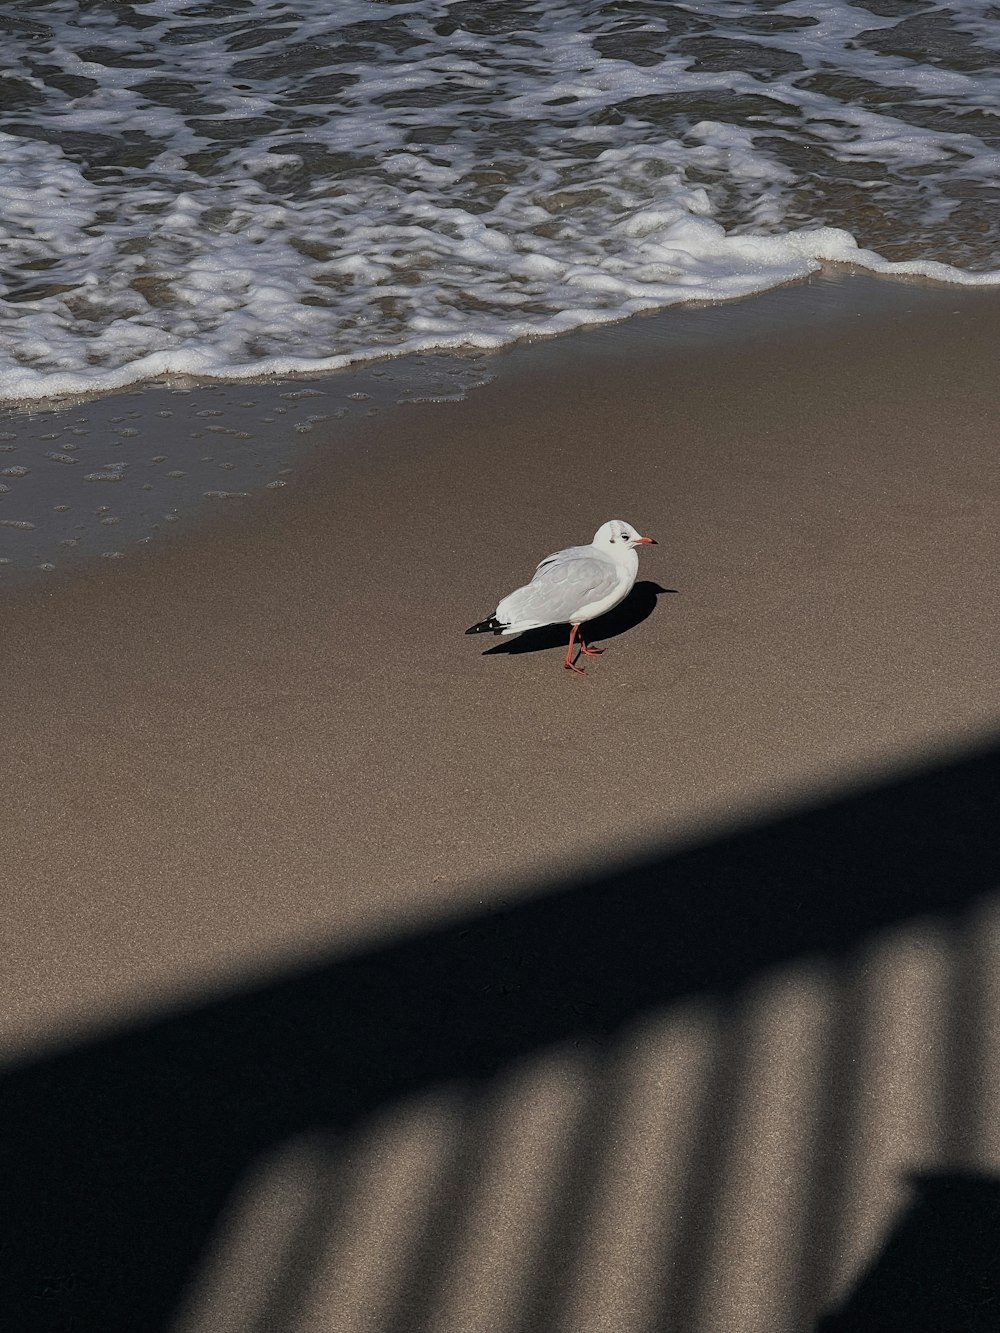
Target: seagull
column 573, row 586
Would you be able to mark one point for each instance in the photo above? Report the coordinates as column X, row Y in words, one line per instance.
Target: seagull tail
column 488, row 626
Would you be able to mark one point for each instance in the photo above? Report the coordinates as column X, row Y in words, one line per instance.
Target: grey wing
column 562, row 585
column 569, row 553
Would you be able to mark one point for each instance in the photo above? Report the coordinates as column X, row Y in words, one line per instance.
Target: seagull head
column 616, row 537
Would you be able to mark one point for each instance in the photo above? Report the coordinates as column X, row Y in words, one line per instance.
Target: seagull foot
column 571, row 666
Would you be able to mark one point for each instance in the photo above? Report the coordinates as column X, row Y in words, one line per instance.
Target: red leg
column 569, row 664
column 591, row 652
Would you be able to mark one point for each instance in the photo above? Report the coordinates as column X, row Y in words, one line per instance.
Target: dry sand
column 268, row 745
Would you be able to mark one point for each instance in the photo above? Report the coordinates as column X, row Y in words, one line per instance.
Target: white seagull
column 572, row 587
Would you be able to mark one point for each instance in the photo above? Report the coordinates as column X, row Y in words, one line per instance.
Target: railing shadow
column 118, row 1156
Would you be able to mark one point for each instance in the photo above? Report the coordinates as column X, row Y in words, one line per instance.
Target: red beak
column 646, row 541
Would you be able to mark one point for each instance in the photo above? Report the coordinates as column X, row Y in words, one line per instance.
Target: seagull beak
column 646, row 541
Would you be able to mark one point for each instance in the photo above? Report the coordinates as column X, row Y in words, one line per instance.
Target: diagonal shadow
column 637, row 607
column 939, row 1268
column 117, row 1156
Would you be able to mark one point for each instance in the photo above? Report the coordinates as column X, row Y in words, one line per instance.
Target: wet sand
column 268, row 744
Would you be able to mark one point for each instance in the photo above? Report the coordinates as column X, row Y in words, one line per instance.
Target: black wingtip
column 488, row 626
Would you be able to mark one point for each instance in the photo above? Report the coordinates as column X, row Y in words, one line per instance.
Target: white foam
column 209, row 209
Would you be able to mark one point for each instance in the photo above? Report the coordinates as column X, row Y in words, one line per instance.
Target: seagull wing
column 570, row 553
column 562, row 585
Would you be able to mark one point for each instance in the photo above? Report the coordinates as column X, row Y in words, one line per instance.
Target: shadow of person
column 637, row 607
column 940, row 1267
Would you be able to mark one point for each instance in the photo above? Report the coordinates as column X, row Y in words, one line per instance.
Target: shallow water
column 238, row 188
column 98, row 476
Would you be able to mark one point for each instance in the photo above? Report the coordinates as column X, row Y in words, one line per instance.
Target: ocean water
column 245, row 187
column 241, row 189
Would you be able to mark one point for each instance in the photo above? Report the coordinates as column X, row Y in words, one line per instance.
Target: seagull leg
column 569, row 664
column 591, row 652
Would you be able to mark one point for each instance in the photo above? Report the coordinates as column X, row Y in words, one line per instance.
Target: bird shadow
column 637, row 607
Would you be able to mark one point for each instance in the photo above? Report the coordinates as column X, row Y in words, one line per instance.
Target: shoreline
column 828, row 270
column 262, row 433
column 828, row 294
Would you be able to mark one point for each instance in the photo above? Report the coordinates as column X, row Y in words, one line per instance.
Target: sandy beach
column 259, row 784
